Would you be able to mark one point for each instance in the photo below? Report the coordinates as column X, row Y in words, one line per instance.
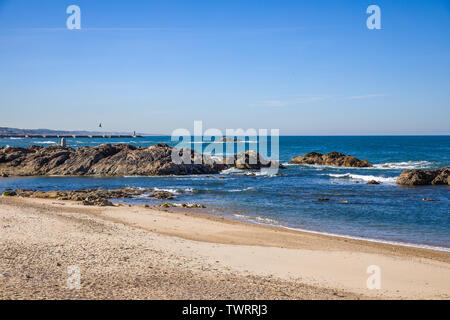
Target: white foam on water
column 240, row 190
column 175, row 191
column 404, row 165
column 232, row 170
column 266, row 221
column 362, row 177
column 267, row 172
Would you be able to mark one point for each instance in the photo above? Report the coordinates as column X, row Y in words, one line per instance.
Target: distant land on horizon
column 20, row 132
column 8, row 131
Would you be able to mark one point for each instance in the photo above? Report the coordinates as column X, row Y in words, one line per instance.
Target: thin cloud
column 283, row 103
column 367, row 96
column 312, row 99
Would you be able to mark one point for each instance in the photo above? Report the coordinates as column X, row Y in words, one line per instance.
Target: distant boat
column 100, row 125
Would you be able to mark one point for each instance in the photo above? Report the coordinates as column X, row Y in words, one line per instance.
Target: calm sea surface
column 385, row 212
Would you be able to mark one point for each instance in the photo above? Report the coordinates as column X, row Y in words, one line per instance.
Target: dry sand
column 143, row 253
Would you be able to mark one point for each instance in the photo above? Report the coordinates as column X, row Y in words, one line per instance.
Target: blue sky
column 305, row 67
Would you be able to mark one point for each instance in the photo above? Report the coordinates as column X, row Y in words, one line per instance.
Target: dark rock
column 166, row 205
column 373, row 182
column 161, row 195
column 104, row 160
column 330, row 159
column 90, row 197
column 9, row 194
column 324, row 199
column 250, row 160
column 194, row 205
column 424, row 177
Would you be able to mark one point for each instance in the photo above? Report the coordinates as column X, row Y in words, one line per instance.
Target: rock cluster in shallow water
column 331, row 159
column 97, row 197
column 421, row 177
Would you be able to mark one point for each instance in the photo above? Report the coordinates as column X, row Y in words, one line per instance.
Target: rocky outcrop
column 330, row 159
column 103, row 160
column 98, row 197
column 90, row 197
column 250, row 160
column 161, row 195
column 424, row 177
column 118, row 160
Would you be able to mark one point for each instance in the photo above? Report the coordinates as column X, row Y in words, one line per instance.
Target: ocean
column 385, row 212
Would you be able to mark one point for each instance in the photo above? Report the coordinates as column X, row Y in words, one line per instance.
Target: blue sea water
column 386, row 212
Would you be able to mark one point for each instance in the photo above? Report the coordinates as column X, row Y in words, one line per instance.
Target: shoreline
column 344, row 236
column 325, row 267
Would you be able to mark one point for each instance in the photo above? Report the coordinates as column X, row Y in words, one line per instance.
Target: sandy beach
column 133, row 252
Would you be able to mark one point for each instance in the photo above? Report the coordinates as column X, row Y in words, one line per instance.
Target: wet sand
column 145, row 253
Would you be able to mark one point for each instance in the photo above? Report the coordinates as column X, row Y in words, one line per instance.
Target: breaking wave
column 361, row 177
column 257, row 219
column 405, row 165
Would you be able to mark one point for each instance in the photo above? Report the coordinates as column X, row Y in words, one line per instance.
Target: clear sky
column 305, row 67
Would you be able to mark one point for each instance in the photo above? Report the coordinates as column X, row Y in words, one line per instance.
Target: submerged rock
column 331, row 159
column 421, row 177
column 166, row 205
column 373, row 182
column 161, row 195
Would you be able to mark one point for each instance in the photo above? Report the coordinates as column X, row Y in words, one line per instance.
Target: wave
column 47, row 142
column 240, row 190
column 405, row 165
column 401, row 165
column 363, row 177
column 176, row 191
column 232, row 171
column 267, row 172
column 267, row 221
